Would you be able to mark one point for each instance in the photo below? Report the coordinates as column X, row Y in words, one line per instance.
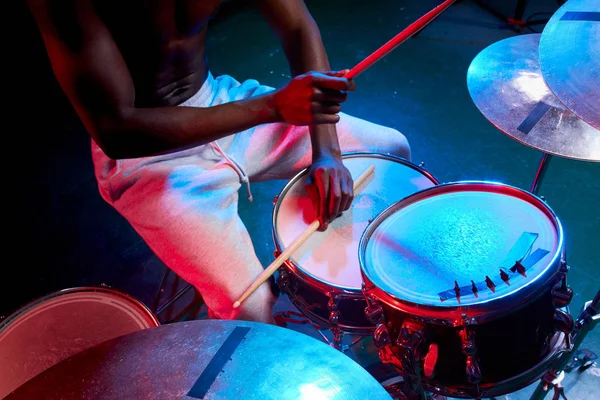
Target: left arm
column 303, row 47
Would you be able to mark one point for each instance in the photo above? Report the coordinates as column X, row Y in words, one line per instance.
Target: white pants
column 184, row 204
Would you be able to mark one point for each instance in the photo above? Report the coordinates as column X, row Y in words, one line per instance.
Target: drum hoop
column 152, row 319
column 291, row 264
column 485, row 310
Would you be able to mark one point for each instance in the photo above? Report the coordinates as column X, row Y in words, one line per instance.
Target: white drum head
column 61, row 325
column 332, row 256
column 459, row 233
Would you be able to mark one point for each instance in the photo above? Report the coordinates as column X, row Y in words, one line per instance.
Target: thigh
column 279, row 151
column 188, row 217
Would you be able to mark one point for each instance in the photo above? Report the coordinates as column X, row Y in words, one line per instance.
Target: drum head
column 55, row 327
column 459, row 234
column 332, row 256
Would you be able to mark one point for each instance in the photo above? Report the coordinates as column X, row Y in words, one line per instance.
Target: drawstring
column 241, row 173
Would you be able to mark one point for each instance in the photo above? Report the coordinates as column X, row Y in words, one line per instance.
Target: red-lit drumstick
column 397, row 40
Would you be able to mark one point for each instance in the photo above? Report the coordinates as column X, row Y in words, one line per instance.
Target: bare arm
column 91, row 71
column 303, row 46
column 330, row 181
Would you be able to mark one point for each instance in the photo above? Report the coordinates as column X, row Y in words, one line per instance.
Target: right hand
column 313, row 98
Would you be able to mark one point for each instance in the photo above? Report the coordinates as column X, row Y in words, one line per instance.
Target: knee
column 396, row 144
column 258, row 307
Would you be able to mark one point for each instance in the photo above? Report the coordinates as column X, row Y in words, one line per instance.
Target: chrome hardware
column 469, row 349
column 334, row 319
column 283, row 280
column 504, row 277
column 563, row 322
column 490, row 283
column 562, row 296
column 373, row 310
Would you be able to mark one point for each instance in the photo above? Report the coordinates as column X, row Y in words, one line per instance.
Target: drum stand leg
column 587, row 320
column 540, row 173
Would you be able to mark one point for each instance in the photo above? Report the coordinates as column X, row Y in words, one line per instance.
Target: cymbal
column 506, row 84
column 207, row 359
column 570, row 58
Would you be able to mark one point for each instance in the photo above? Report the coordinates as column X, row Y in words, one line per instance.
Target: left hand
column 330, row 188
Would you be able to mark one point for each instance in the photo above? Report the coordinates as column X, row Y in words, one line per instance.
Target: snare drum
column 463, row 279
column 323, row 277
column 62, row 324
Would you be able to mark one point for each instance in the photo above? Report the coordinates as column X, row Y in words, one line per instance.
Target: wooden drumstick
column 287, row 253
column 397, row 40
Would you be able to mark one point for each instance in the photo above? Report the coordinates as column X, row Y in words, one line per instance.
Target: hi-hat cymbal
column 210, row 360
column 570, row 58
column 506, row 84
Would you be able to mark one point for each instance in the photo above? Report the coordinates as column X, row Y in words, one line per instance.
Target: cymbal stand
column 540, row 173
column 587, row 320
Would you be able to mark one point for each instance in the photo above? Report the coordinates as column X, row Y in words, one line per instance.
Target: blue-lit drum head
column 418, row 250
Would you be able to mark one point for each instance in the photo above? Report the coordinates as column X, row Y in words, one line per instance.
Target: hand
column 330, row 188
column 313, row 98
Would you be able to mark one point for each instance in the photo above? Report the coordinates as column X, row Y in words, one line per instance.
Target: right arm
column 91, row 71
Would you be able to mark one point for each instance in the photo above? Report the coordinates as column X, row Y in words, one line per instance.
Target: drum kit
column 439, row 275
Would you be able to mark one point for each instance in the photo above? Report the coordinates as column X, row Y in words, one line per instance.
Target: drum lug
column 373, row 310
column 563, row 321
column 334, row 319
column 469, row 349
column 275, row 199
column 562, row 295
column 283, row 280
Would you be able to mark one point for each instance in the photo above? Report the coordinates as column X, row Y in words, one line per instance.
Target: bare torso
column 162, row 43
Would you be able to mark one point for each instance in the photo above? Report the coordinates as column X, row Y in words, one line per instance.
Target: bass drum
column 57, row 326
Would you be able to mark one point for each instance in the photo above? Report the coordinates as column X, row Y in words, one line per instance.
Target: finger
column 326, row 108
column 328, row 95
column 347, row 194
column 330, row 82
column 322, row 182
column 313, row 193
column 324, row 119
column 340, row 73
column 335, row 196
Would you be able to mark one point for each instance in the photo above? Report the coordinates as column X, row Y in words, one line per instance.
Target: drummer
column 171, row 144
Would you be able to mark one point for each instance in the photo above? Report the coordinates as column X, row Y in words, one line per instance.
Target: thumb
column 339, row 73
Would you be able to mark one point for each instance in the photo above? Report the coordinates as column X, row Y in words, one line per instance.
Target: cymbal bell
column 570, row 58
column 207, row 359
column 507, row 86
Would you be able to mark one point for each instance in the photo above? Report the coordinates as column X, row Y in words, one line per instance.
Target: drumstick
column 397, row 40
column 287, row 253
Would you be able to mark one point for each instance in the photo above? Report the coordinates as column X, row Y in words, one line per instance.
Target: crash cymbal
column 570, row 58
column 210, row 360
column 506, row 84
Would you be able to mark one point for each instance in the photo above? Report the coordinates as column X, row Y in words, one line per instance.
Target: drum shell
column 509, row 345
column 313, row 298
column 515, row 336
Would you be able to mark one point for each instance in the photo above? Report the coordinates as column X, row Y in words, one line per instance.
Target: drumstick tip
column 236, row 304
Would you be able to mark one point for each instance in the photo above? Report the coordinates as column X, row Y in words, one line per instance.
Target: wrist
column 324, row 142
column 326, row 152
column 268, row 112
